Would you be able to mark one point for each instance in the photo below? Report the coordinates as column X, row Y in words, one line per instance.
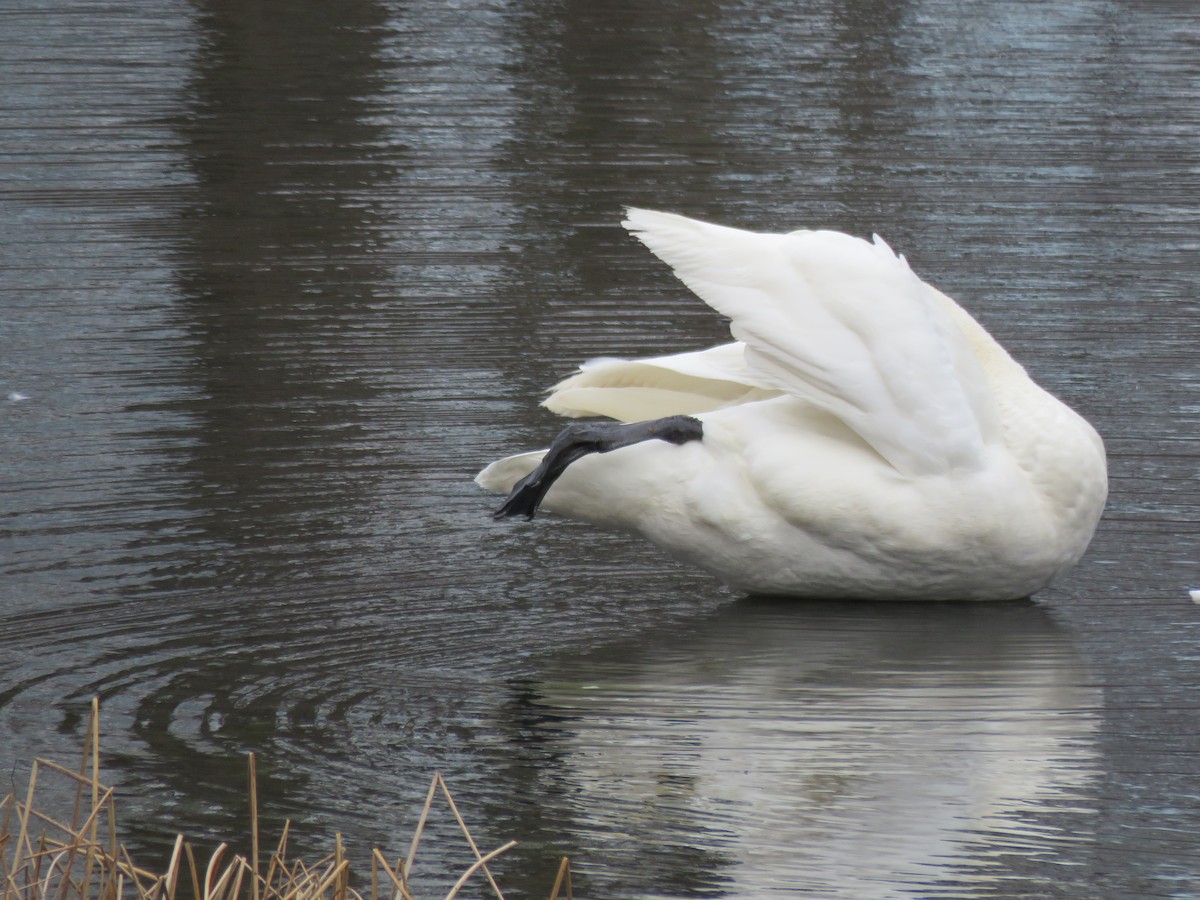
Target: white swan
column 863, row 438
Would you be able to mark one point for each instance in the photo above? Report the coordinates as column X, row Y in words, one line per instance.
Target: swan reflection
column 846, row 750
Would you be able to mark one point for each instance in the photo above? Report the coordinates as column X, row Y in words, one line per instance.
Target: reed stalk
column 81, row 858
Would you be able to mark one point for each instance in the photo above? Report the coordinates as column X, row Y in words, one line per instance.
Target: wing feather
column 842, row 323
column 681, row 384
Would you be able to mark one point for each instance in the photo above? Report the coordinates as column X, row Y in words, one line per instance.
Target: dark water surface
column 278, row 278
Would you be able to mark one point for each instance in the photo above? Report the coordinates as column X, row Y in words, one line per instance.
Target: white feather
column 844, row 324
column 683, row 384
column 865, row 437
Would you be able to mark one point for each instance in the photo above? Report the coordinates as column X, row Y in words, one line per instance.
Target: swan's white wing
column 680, row 384
column 843, row 324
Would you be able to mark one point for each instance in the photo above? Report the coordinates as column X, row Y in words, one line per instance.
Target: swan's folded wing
column 631, row 390
column 844, row 324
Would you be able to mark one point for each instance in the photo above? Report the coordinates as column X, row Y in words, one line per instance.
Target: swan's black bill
column 581, row 438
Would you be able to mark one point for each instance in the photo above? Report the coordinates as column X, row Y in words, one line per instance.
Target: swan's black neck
column 581, row 438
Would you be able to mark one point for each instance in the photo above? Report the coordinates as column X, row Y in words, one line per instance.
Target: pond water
column 278, row 278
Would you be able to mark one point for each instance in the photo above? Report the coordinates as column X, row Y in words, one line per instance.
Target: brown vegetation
column 45, row 858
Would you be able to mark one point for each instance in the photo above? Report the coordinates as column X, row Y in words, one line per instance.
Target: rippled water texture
column 278, row 278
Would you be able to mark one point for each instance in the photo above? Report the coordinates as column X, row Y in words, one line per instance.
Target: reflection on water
column 275, row 266
column 835, row 750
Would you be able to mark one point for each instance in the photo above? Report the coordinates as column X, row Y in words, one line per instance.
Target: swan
column 861, row 438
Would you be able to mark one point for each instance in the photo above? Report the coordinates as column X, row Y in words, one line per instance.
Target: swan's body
column 863, row 438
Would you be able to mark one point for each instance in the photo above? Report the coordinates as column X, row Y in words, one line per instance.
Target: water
column 279, row 278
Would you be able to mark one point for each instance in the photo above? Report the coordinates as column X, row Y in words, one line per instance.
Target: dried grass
column 43, row 858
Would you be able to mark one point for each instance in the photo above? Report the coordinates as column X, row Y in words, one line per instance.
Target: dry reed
column 44, row 858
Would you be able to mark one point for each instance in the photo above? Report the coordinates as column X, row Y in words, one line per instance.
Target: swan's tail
column 500, row 476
